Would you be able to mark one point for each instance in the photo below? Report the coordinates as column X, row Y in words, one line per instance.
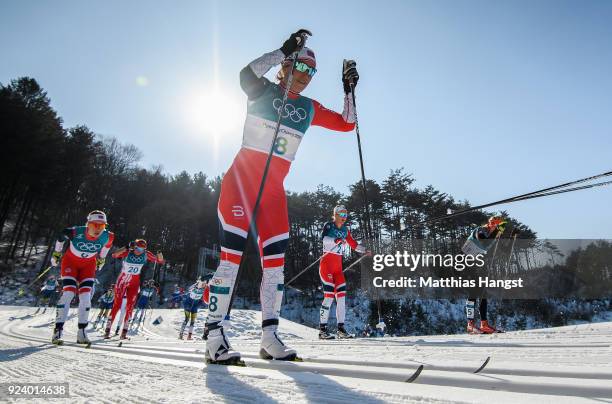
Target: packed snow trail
column 567, row 364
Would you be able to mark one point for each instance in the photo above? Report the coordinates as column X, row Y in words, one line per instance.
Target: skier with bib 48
column 335, row 236
column 88, row 247
column 480, row 241
column 134, row 257
column 241, row 186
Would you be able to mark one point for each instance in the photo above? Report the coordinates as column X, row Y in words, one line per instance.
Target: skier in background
column 48, row 292
column 177, row 297
column 335, row 236
column 480, row 241
column 146, row 295
column 106, row 303
column 135, row 256
column 196, row 294
column 88, row 247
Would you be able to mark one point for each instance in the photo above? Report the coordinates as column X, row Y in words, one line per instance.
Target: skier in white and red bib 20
column 241, row 185
column 134, row 257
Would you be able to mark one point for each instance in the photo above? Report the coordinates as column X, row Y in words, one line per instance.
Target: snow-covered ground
column 560, row 365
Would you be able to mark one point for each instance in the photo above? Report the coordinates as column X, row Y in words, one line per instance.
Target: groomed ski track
column 567, row 364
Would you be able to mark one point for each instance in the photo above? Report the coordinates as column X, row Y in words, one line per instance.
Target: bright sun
column 213, row 113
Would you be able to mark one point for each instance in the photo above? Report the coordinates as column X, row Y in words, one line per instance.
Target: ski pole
column 251, row 238
column 22, row 290
column 304, row 270
column 511, row 251
column 354, row 263
column 368, row 225
column 308, row 267
column 494, row 251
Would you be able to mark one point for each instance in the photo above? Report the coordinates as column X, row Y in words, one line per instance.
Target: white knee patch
column 225, row 274
column 324, row 314
column 273, row 275
column 271, row 293
column 340, row 309
column 67, row 297
column 63, row 306
column 84, row 306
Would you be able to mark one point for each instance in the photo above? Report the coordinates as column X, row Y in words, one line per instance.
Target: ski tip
column 483, row 365
column 415, row 374
column 120, row 344
column 88, row 345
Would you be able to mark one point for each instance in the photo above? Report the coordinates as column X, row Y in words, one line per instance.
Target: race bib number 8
column 280, row 147
column 213, row 304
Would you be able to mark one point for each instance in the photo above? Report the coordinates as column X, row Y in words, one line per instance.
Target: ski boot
column 82, row 337
column 124, row 334
column 189, row 337
column 107, row 333
column 56, row 339
column 205, row 335
column 485, row 328
column 273, row 348
column 472, row 328
column 219, row 351
column 342, row 334
column 116, row 331
column 323, row 334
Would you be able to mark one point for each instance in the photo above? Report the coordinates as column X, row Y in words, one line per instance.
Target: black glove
column 294, row 42
column 349, row 75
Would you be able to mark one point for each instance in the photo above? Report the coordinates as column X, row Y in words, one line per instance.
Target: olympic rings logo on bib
column 137, row 259
column 289, row 111
column 91, row 247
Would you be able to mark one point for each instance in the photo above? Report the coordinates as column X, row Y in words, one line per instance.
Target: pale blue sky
column 481, row 99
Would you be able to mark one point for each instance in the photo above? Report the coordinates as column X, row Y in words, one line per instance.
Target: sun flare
column 213, row 113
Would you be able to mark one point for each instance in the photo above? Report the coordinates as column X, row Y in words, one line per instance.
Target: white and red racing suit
column 241, row 184
column 330, row 270
column 128, row 282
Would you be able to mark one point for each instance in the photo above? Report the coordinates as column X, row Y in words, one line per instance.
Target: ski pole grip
column 345, row 62
column 304, row 37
